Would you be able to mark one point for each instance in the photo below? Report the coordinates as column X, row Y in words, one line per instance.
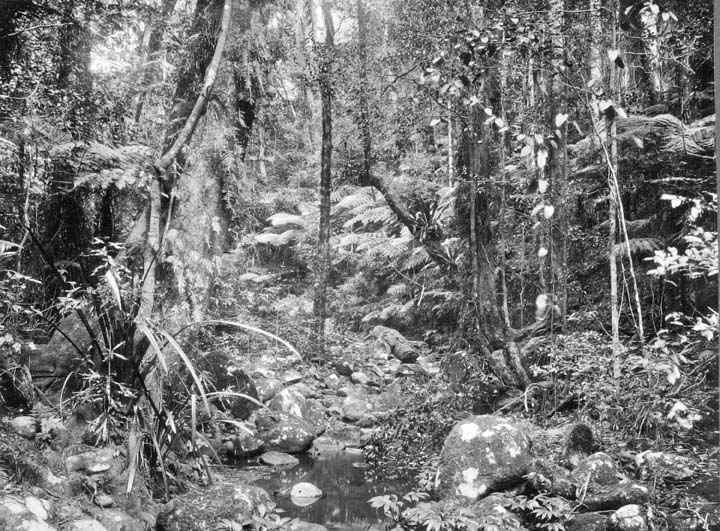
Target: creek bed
column 346, row 485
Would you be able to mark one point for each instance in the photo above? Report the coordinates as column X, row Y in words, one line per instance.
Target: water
column 346, row 490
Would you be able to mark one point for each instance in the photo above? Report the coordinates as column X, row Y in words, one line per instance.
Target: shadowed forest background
column 519, row 194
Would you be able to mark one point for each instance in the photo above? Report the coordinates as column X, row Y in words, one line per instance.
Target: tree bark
column 324, row 261
column 557, row 163
column 611, row 128
column 198, row 109
column 175, row 139
column 364, row 109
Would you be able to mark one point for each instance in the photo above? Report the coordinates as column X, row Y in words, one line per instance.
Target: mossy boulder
column 482, row 454
column 202, row 509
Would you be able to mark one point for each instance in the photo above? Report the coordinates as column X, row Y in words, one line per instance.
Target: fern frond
column 399, row 290
column 361, row 198
column 392, row 311
column 419, row 258
column 637, row 245
column 638, row 225
column 277, row 240
column 381, row 215
column 283, row 218
column 678, row 138
column 360, row 238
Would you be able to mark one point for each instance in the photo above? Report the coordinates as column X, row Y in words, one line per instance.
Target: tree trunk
column 364, row 108
column 611, row 128
column 649, row 15
column 324, row 259
column 557, row 163
column 184, row 118
column 492, row 333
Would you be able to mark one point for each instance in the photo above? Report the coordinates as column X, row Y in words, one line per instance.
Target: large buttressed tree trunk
column 185, row 218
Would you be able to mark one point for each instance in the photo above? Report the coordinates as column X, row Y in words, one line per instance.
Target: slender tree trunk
column 364, row 117
column 716, row 63
column 596, row 74
column 151, row 53
column 451, row 148
column 324, row 258
column 611, row 128
column 558, row 147
column 653, row 62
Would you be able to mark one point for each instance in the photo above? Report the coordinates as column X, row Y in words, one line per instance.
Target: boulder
column 25, row 426
column 117, row 520
column 482, row 454
column 664, row 465
column 279, row 459
column 359, row 378
column 547, row 477
column 300, row 525
column 284, row 432
column 108, row 461
column 104, row 501
column 86, row 524
column 50, row 364
column 267, row 388
column 598, row 468
column 343, row 368
column 293, row 402
column 246, row 443
column 395, row 343
column 587, row 522
column 629, row 518
column 355, row 407
column 326, row 446
column 303, row 494
column 201, row 510
column 291, row 376
column 17, row 513
column 609, row 497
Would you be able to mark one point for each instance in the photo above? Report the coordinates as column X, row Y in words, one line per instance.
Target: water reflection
column 346, row 490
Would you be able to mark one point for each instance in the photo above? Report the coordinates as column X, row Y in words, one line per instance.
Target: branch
column 432, row 244
column 188, row 129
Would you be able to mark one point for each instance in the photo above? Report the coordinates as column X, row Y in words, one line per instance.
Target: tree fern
column 418, row 258
column 278, row 240
column 283, row 218
column 399, row 290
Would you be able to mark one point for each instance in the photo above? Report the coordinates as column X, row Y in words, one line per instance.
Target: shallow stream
column 346, row 484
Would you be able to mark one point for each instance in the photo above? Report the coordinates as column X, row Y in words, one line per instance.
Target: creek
column 346, row 485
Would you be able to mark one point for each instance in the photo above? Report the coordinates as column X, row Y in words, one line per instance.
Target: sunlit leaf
column 542, row 157
column 542, row 252
column 543, row 185
column 560, row 119
column 548, row 211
